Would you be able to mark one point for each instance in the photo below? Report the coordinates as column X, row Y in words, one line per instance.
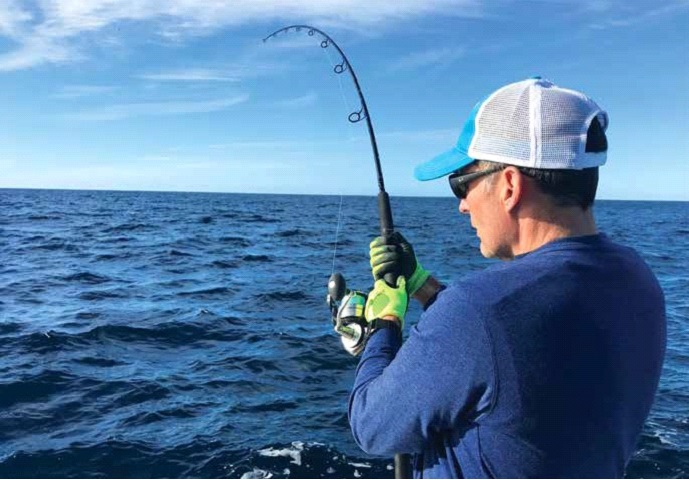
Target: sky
column 183, row 95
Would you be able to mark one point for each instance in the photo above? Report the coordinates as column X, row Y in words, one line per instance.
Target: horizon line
column 449, row 196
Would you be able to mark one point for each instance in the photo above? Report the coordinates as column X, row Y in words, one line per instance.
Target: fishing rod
column 348, row 316
column 384, row 211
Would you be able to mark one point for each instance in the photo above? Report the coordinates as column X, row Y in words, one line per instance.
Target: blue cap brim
column 443, row 164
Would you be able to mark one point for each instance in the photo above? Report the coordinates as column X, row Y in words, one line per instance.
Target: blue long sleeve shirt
column 544, row 366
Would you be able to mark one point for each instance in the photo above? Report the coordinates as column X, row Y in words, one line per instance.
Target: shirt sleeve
column 441, row 379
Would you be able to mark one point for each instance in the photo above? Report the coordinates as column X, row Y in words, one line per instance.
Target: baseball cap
column 532, row 123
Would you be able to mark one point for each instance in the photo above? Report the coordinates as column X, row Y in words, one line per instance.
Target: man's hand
column 395, row 255
column 386, row 301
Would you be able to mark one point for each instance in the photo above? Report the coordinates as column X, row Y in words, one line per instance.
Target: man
column 544, row 365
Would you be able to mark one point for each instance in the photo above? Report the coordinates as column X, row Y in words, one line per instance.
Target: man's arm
column 442, row 378
column 428, row 291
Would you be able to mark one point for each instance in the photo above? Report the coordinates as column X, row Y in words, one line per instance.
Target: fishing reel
column 348, row 316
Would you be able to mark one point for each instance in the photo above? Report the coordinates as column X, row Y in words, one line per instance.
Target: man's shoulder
column 524, row 274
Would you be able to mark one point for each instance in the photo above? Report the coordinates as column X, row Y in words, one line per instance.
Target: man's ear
column 513, row 188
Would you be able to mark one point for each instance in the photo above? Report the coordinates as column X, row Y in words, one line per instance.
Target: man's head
column 536, row 149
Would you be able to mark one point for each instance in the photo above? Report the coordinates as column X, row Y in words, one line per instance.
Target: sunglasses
column 460, row 183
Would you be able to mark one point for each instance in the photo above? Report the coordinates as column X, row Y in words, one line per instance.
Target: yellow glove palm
column 385, row 300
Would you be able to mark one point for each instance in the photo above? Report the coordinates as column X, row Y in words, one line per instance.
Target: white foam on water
column 357, row 474
column 294, row 453
column 360, row 465
column 257, row 473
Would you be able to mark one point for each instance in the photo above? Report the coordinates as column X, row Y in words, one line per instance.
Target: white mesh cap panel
column 535, row 123
column 502, row 127
column 565, row 120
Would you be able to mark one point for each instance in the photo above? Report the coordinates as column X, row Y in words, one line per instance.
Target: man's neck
column 563, row 223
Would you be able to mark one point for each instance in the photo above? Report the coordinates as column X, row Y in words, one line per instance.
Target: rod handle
column 403, row 465
column 386, row 227
column 385, row 214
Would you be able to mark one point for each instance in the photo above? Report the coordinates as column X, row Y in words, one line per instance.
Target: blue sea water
column 186, row 334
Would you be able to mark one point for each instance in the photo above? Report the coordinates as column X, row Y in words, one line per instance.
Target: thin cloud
column 641, row 16
column 78, row 91
column 233, row 73
column 118, row 112
column 52, row 33
column 191, row 75
column 307, row 100
column 37, row 51
column 13, row 18
column 428, row 58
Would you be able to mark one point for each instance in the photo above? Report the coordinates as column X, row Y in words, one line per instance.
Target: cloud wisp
column 79, row 91
column 51, row 33
column 428, row 58
column 307, row 100
column 127, row 110
column 191, row 75
column 13, row 18
column 641, row 16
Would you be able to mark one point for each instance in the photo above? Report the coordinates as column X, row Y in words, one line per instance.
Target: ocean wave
column 141, row 391
column 277, row 406
column 146, row 418
column 257, row 365
column 237, row 241
column 256, row 218
column 109, row 256
column 256, row 258
column 99, row 295
column 34, row 238
column 224, row 264
column 120, row 239
column 207, row 292
column 32, row 388
column 128, row 227
column 162, row 335
column 282, row 296
column 86, row 277
column 179, row 253
column 99, row 362
column 56, row 245
column 290, row 233
column 47, row 342
column 166, row 334
column 8, row 328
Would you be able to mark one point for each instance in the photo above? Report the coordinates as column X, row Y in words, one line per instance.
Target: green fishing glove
column 386, row 300
column 395, row 255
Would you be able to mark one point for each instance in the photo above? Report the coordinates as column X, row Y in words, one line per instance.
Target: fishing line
column 337, row 233
column 339, row 80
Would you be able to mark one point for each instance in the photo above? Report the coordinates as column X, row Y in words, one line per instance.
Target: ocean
column 186, row 334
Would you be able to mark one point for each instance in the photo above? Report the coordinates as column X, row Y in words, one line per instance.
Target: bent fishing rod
column 348, row 317
column 384, row 211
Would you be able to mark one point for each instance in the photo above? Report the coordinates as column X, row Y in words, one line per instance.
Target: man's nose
column 463, row 207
